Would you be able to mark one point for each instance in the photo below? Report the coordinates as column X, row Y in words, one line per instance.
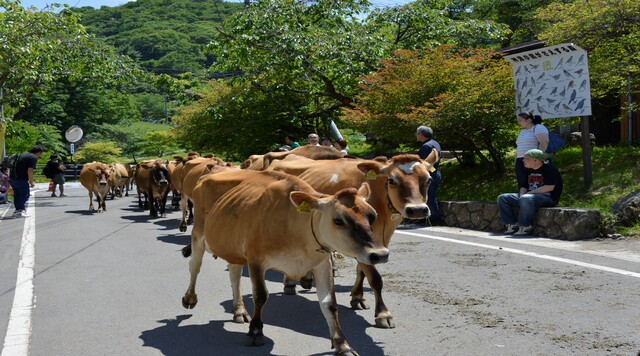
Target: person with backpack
column 21, row 179
column 54, row 170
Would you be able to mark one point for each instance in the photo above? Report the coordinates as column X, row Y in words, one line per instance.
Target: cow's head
column 158, row 171
column 407, row 181
column 102, row 173
column 342, row 222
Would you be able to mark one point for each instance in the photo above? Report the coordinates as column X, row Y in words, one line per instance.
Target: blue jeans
column 432, row 201
column 21, row 193
column 527, row 205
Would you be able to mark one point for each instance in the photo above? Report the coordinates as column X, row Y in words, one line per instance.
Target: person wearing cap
column 56, row 166
column 424, row 134
column 533, row 134
column 313, row 139
column 541, row 188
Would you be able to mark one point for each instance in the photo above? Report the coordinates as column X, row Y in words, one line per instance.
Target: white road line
column 526, row 253
column 16, row 341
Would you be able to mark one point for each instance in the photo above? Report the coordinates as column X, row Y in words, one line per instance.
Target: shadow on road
column 295, row 313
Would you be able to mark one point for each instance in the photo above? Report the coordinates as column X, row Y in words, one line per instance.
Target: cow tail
column 186, row 251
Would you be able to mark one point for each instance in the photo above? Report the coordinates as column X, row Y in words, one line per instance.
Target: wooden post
column 586, row 152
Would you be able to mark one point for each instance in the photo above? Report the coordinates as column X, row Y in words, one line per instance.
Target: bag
column 10, row 161
column 555, row 142
column 48, row 172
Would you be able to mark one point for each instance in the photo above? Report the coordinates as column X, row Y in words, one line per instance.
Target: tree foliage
column 610, row 32
column 39, row 47
column 428, row 23
column 466, row 96
column 164, row 36
column 106, row 152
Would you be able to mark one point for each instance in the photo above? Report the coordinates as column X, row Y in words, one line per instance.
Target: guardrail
column 71, row 173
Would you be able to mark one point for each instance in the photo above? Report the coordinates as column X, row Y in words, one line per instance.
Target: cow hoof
column 254, row 340
column 189, row 302
column 385, row 321
column 349, row 352
column 183, row 228
column 241, row 318
column 359, row 304
column 290, row 290
column 306, row 283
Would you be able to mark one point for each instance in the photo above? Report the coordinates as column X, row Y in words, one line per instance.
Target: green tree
column 106, row 152
column 158, row 143
column 428, row 23
column 466, row 96
column 610, row 32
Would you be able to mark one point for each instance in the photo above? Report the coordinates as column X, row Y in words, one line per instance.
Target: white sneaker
column 511, row 228
column 17, row 214
column 524, row 231
column 24, row 214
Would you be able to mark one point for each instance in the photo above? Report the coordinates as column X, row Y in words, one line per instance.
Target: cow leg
column 91, row 201
column 255, row 337
column 190, row 298
column 175, row 199
column 383, row 316
column 190, row 218
column 140, row 199
column 183, row 207
column 289, row 285
column 326, row 291
column 103, row 206
column 100, row 201
column 240, row 314
column 163, row 204
column 152, row 205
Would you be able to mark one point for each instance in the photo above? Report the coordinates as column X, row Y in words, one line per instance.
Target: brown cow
column 95, row 177
column 153, row 182
column 118, row 177
column 261, row 162
column 272, row 220
column 398, row 189
column 191, row 172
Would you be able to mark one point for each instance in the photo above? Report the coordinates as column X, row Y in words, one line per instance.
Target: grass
column 615, row 173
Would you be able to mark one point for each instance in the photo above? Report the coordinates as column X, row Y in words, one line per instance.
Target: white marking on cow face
column 408, row 167
column 334, row 178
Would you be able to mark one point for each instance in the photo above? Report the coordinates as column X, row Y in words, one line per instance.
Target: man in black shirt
column 21, row 179
column 424, row 134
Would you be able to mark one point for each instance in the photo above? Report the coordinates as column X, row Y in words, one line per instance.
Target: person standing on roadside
column 57, row 168
column 424, row 134
column 21, row 179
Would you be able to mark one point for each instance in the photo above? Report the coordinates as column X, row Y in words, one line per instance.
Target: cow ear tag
column 304, row 207
column 371, row 175
column 432, row 169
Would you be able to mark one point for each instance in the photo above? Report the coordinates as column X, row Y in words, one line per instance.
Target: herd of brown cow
column 287, row 211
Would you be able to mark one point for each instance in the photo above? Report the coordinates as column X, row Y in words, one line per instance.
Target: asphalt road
column 111, row 284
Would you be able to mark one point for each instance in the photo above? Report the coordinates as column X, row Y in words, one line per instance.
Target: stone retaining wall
column 556, row 223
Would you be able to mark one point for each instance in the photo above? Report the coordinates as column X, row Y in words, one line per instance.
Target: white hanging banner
column 552, row 82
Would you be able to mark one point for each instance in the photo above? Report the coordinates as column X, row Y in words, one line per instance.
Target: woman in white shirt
column 533, row 135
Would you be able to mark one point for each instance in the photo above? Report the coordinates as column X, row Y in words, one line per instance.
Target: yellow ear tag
column 371, row 175
column 432, row 169
column 304, row 207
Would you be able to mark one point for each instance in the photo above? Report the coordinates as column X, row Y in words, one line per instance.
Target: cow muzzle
column 416, row 211
column 378, row 256
column 163, row 182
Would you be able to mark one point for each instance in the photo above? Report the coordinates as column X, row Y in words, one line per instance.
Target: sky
column 98, row 3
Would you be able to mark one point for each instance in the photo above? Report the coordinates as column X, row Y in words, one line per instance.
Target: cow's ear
column 371, row 169
column 303, row 201
column 146, row 165
column 365, row 191
column 432, row 158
